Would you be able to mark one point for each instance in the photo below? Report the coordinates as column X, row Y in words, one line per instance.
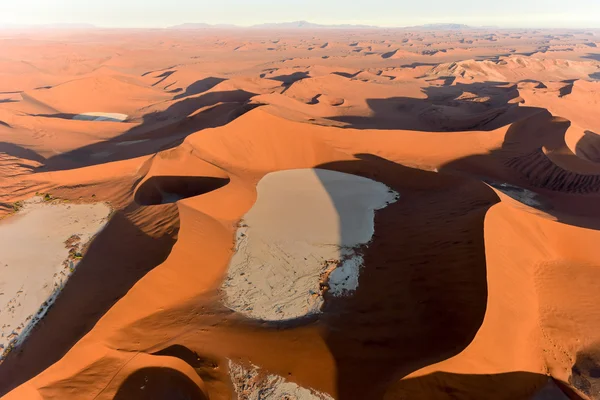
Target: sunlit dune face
column 301, row 236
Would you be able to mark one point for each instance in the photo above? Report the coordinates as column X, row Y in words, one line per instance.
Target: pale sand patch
column 130, row 142
column 100, row 116
column 251, row 384
column 35, row 262
column 520, row 194
column 304, row 224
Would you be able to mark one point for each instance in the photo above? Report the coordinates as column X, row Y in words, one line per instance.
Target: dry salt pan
column 40, row 246
column 520, row 194
column 250, row 384
column 306, row 224
column 100, row 116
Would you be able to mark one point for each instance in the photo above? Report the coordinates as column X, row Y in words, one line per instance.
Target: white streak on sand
column 130, row 142
column 35, row 262
column 520, row 194
column 250, row 383
column 101, row 116
column 304, row 223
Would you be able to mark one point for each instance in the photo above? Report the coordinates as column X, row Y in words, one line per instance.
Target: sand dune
column 300, row 213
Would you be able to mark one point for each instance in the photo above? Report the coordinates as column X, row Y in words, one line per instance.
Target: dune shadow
column 207, row 368
column 20, row 152
column 588, row 147
column 56, row 115
column 422, row 290
column 537, row 150
column 163, row 76
column 159, row 383
column 447, row 80
column 389, row 54
column 159, row 130
column 539, row 84
column 116, row 259
column 185, row 354
column 447, row 108
column 525, row 168
column 595, row 76
column 567, row 89
column 346, row 74
column 518, row 385
column 169, row 189
column 6, row 124
column 291, row 78
column 592, row 56
column 200, row 86
column 8, row 101
column 419, row 64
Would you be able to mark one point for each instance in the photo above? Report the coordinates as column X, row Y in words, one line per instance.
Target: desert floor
column 309, row 214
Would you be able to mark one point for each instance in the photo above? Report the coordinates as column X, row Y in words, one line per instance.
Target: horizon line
column 274, row 25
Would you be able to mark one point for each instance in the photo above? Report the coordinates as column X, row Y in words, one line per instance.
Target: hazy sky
column 162, row 13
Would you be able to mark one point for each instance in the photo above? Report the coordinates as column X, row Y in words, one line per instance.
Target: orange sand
column 479, row 282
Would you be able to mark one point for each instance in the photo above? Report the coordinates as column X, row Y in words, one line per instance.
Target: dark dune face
column 159, row 384
column 585, row 373
column 169, row 189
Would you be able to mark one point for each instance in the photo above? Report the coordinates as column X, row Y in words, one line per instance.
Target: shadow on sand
column 460, row 107
column 592, row 56
column 169, row 189
column 159, row 383
column 521, row 164
column 199, row 87
column 167, row 129
column 20, row 152
column 422, row 292
column 516, row 385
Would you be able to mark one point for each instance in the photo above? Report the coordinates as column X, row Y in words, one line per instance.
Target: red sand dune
column 479, row 282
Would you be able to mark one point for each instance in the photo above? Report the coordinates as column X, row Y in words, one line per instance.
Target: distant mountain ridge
column 310, row 25
column 274, row 25
column 443, row 27
column 201, row 25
